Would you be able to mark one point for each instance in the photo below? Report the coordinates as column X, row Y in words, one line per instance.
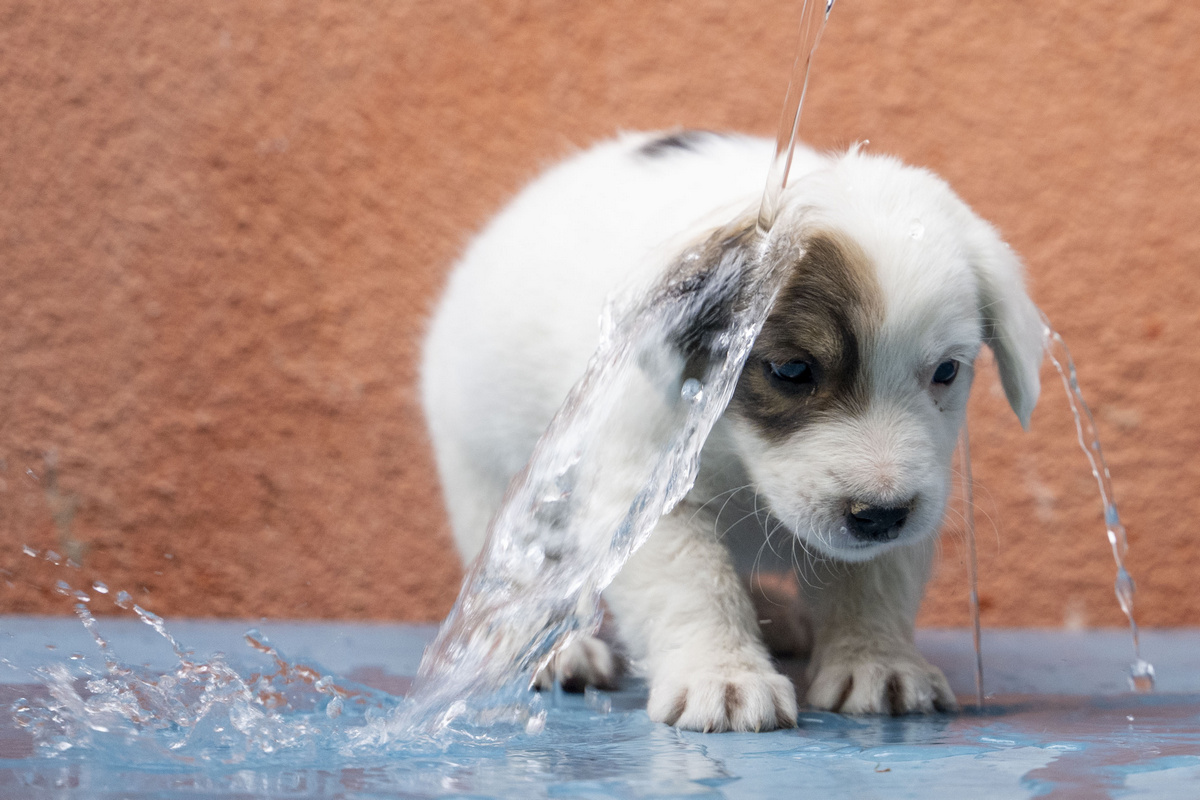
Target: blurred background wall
column 223, row 224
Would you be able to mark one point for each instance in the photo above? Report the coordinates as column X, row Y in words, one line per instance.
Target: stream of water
column 1141, row 672
column 967, row 491
column 812, row 25
column 584, row 503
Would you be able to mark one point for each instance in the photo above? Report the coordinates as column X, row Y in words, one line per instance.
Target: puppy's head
column 848, row 409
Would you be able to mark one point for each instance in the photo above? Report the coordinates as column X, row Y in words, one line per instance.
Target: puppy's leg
column 783, row 619
column 683, row 612
column 587, row 661
column 864, row 660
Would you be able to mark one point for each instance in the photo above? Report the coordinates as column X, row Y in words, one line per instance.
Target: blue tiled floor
column 1059, row 723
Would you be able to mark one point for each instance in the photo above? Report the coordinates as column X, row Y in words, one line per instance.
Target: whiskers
column 810, row 563
column 728, row 497
column 797, row 541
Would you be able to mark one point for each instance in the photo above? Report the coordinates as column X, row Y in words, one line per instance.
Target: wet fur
column 889, row 274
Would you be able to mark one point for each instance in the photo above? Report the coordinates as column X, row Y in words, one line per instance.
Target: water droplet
column 29, row 551
column 692, row 391
column 53, row 557
column 1129, row 717
column 32, row 474
column 100, row 587
column 62, row 587
column 916, row 230
column 1141, row 676
column 124, row 599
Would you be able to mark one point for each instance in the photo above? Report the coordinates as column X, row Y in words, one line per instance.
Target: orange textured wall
column 222, row 226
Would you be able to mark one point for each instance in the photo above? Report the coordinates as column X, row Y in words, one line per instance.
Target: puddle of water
column 598, row 746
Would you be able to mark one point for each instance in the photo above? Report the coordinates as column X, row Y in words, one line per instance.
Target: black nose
column 875, row 523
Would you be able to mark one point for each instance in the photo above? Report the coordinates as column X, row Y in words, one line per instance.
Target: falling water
column 968, row 502
column 793, row 104
column 1141, row 672
column 562, row 533
column 622, row 451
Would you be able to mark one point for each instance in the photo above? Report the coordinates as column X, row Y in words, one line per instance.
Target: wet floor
column 1058, row 725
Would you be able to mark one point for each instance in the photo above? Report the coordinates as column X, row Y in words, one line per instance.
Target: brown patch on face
column 826, row 314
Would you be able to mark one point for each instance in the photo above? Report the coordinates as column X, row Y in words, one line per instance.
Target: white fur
column 519, row 320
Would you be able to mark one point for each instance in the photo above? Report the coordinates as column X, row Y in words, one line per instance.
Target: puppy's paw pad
column 880, row 684
column 714, row 700
column 587, row 661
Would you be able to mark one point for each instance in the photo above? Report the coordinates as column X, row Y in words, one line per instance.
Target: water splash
column 202, row 710
column 793, row 104
column 1141, row 672
column 967, row 488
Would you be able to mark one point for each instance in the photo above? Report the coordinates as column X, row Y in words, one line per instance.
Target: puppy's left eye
column 945, row 373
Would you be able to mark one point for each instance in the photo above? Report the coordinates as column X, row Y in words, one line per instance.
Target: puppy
column 838, row 442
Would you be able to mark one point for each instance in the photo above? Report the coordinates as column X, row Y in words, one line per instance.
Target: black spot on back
column 680, row 141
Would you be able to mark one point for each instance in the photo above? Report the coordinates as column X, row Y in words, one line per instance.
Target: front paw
column 865, row 680
column 734, row 695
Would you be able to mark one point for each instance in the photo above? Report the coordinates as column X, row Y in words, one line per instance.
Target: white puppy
column 840, row 434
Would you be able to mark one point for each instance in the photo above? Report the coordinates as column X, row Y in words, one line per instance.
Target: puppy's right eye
column 945, row 373
column 796, row 376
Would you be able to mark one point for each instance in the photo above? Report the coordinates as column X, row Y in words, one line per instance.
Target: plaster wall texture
column 223, row 224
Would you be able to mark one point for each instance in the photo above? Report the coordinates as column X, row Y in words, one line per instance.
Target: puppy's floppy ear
column 1012, row 324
